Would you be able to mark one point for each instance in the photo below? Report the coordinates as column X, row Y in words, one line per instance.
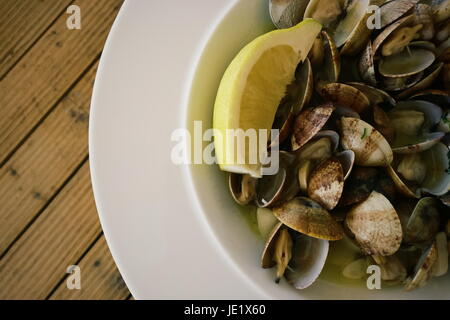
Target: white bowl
column 174, row 231
column 246, row 20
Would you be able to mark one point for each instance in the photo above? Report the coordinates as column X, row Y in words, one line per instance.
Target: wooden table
column 48, row 219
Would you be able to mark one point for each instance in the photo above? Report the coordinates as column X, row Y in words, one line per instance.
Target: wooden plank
column 100, row 278
column 57, row 239
column 49, row 69
column 21, row 24
column 42, row 165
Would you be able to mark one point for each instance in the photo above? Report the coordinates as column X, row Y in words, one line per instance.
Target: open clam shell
column 393, row 10
column 287, row 13
column 321, row 147
column 388, row 31
column 406, row 63
column 376, row 225
column 425, row 83
column 330, row 70
column 347, row 160
column 424, row 222
column 441, row 266
column 308, row 217
column 308, row 123
column 438, row 97
column 304, row 87
column 326, row 183
column 344, row 95
column 423, row 269
column 369, row 145
column 267, row 260
column 242, row 188
column 393, row 270
column 266, row 221
column 437, row 175
column 308, row 260
column 401, row 83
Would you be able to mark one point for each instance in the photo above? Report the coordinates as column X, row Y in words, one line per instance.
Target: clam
column 369, row 145
column 282, row 186
column 344, row 95
column 308, row 260
column 324, row 11
column 423, row 224
column 304, row 87
column 437, row 177
column 308, row 123
column 441, row 266
column 356, row 269
column 326, row 183
column 304, row 172
column 362, row 182
column 308, row 217
column 389, row 32
column 423, row 269
column 438, row 97
column 330, row 69
column 376, row 225
column 298, row 257
column 425, row 83
column 347, row 160
column 412, row 122
column 400, row 39
column 376, row 96
column 393, row 10
column 441, row 10
column 406, row 63
column 321, row 147
column 266, row 221
column 383, row 124
column 366, row 65
column 242, row 187
column 424, row 16
column 392, row 268
column 401, row 83
column 287, row 13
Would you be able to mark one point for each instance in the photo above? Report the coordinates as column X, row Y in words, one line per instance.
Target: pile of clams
column 364, row 145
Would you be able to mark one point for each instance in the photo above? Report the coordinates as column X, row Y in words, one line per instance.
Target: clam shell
column 406, row 190
column 331, row 68
column 393, row 10
column 425, row 83
column 376, row 96
column 308, row 123
column 320, row 147
column 324, row 11
column 270, row 188
column 308, row 217
column 376, row 225
column 384, row 35
column 360, row 34
column 287, row 13
column 242, row 188
column 369, row 146
column 326, row 183
column 304, row 172
column 438, row 97
column 284, row 121
column 407, row 63
column 305, row 87
column 392, row 268
column 441, row 10
column 423, row 269
column 267, row 261
column 308, row 260
column 366, row 65
column 423, row 224
column 441, row 266
column 345, row 95
column 437, row 181
column 347, row 160
column 401, row 83
column 266, row 221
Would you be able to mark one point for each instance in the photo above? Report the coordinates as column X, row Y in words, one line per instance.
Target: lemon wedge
column 251, row 91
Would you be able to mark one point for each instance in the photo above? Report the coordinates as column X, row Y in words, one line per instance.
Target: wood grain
column 99, row 277
column 49, row 69
column 57, row 239
column 21, row 24
column 46, row 160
